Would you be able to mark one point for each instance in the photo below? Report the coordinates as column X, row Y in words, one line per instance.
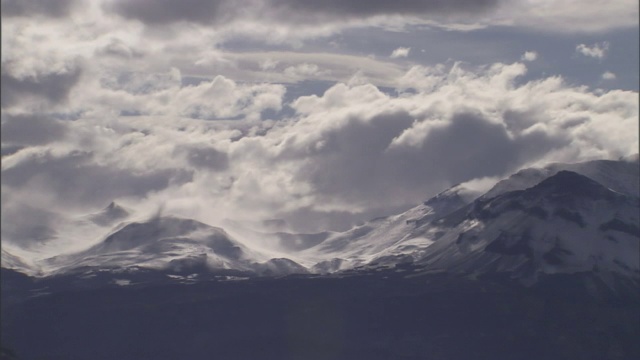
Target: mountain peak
column 569, row 183
column 109, row 215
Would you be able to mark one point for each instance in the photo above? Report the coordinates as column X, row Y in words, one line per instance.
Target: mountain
column 443, row 280
column 558, row 219
column 11, row 261
column 170, row 244
column 621, row 176
column 109, row 215
column 359, row 245
column 567, row 223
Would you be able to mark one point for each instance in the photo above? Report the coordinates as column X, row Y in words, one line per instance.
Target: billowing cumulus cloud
column 162, row 94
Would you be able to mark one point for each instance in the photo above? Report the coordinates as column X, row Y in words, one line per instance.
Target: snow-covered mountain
column 11, row 261
column 169, row 244
column 567, row 223
column 562, row 218
column 382, row 236
column 621, row 176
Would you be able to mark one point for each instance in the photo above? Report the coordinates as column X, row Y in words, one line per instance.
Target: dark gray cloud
column 518, row 121
column 357, row 164
column 160, row 12
column 31, row 129
column 54, row 87
column 76, row 179
column 205, row 157
column 359, row 8
column 51, row 8
column 7, row 150
column 351, row 163
column 27, row 226
column 469, row 147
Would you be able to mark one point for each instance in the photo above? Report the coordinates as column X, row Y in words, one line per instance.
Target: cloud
column 529, row 56
column 400, row 52
column 608, row 75
column 303, row 71
column 163, row 94
column 357, row 150
column 35, row 129
column 224, row 98
column 50, row 8
column 566, row 16
column 51, row 87
column 119, row 49
column 76, row 180
column 285, row 20
column 597, row 50
column 355, row 8
column 28, row 226
column 161, row 12
column 204, row 108
column 361, row 165
column 153, row 129
column 205, row 157
column 289, row 66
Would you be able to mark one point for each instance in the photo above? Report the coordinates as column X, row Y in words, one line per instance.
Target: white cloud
column 268, row 64
column 304, row 71
column 597, row 50
column 330, row 66
column 401, row 52
column 608, row 75
column 529, row 56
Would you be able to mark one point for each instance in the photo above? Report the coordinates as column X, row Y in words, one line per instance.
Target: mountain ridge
column 525, row 224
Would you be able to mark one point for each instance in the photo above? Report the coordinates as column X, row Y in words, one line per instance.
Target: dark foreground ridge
column 402, row 313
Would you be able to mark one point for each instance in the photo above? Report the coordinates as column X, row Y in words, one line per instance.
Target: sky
column 322, row 114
